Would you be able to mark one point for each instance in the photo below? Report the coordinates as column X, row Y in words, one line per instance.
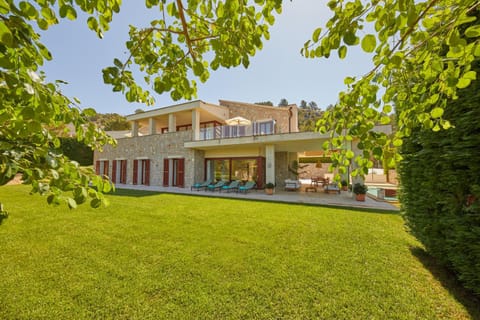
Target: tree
column 111, row 121
column 265, row 103
column 33, row 111
column 408, row 44
column 190, row 38
column 283, row 102
column 303, row 104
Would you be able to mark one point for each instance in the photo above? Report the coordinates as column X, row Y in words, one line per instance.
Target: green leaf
column 369, row 43
column 349, row 154
column 92, row 23
column 316, row 34
column 95, row 203
column 72, row 204
column 473, row 31
column 463, row 83
column 342, row 52
column 350, row 38
column 6, row 36
column 4, row 7
column 397, row 142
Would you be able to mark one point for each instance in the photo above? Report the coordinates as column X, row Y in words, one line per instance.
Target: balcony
column 234, row 131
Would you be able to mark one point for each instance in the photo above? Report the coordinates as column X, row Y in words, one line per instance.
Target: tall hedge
column 440, row 178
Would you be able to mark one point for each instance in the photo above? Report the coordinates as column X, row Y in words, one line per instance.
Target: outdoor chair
column 200, row 185
column 331, row 188
column 247, row 187
column 292, row 185
column 231, row 187
column 216, row 186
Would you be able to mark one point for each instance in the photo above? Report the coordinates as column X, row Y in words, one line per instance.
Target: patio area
column 344, row 199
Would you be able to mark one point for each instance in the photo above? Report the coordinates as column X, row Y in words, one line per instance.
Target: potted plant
column 360, row 190
column 269, row 188
column 344, row 184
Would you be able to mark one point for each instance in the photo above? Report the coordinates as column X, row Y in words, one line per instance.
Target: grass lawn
column 154, row 256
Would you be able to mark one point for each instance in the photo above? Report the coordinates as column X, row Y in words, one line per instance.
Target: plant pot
column 360, row 197
column 269, row 191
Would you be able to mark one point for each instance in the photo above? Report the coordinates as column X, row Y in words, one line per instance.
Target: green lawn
column 153, row 256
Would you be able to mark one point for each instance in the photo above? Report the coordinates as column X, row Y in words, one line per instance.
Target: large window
column 229, row 169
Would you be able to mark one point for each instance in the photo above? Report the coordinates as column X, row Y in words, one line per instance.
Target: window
column 244, row 169
column 101, row 167
column 141, row 171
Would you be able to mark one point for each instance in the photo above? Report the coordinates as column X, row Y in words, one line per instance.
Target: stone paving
column 344, row 199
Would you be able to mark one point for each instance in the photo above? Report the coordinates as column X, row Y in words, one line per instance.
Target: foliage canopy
column 410, row 73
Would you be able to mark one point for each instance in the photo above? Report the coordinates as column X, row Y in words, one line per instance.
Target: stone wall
column 256, row 112
column 156, row 147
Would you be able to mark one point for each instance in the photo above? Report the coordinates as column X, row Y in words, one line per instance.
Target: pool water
column 374, row 193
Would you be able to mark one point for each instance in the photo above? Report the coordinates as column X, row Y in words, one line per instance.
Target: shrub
column 440, row 195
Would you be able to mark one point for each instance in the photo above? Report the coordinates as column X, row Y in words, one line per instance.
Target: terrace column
column 270, row 163
column 134, row 128
column 152, row 126
column 172, row 123
column 196, row 124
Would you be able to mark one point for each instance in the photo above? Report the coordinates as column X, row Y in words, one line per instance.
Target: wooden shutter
column 105, row 168
column 135, row 171
column 146, row 174
column 123, row 172
column 114, row 171
column 97, row 167
column 180, row 173
column 165, row 172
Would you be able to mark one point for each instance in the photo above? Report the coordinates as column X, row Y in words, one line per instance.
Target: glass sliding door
column 229, row 169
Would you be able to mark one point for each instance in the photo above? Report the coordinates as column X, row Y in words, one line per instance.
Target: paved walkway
column 344, row 199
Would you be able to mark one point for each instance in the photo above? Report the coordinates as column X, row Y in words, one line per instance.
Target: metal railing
column 235, row 131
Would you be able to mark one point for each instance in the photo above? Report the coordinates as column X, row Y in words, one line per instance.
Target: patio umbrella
column 238, row 121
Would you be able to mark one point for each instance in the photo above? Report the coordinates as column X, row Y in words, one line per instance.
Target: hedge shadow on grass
column 449, row 281
column 132, row 193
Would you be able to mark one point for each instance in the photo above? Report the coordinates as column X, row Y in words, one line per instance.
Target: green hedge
column 77, row 151
column 440, row 177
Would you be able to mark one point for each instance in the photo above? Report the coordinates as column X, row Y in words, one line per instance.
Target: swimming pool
column 382, row 194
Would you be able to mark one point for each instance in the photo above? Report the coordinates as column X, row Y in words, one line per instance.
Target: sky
column 277, row 71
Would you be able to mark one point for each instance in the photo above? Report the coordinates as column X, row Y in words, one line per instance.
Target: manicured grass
column 154, row 256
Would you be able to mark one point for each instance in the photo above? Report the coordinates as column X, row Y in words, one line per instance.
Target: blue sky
column 276, row 72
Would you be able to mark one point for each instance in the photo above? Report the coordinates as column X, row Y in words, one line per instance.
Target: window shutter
column 114, row 171
column 180, row 173
column 105, row 167
column 135, row 171
column 123, row 172
column 165, row 172
column 147, row 172
column 97, row 167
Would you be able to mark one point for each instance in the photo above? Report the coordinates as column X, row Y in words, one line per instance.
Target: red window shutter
column 135, row 171
column 180, row 173
column 114, row 171
column 105, row 167
column 165, row 172
column 147, row 172
column 97, row 167
column 123, row 172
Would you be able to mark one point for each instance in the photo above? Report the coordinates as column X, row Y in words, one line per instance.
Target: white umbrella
column 238, row 121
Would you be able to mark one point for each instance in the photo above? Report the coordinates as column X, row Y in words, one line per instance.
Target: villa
column 179, row 145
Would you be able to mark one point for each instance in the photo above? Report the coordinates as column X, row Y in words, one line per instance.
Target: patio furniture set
column 316, row 182
column 220, row 186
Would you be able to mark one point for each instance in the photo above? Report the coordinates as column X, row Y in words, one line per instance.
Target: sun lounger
column 292, row 185
column 231, row 187
column 247, row 187
column 200, row 185
column 216, row 186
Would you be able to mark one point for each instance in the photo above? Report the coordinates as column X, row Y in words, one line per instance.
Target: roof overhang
column 291, row 142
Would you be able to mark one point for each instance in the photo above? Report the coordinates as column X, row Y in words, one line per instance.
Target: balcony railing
column 235, row 131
